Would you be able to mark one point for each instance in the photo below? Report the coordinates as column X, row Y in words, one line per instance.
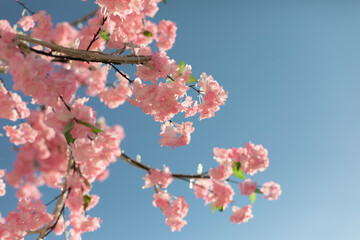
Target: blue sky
column 292, row 70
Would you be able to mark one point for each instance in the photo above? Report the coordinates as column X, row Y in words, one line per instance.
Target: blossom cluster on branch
column 63, row 145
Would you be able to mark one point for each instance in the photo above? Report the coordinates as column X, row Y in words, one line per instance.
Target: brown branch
column 84, row 18
column 147, row 168
column 83, row 55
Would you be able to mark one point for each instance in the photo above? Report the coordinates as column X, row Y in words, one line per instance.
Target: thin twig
column 121, row 73
column 96, row 34
column 26, row 8
column 84, row 18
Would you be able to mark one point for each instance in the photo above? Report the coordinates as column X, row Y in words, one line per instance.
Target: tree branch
column 84, row 18
column 83, row 55
column 147, row 168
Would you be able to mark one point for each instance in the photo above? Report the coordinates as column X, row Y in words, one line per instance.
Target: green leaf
column 252, row 197
column 104, row 35
column 147, row 33
column 67, row 134
column 221, row 208
column 237, row 171
column 164, row 1
column 87, row 200
column 94, row 128
column 213, row 208
column 258, row 191
column 181, row 66
column 192, row 79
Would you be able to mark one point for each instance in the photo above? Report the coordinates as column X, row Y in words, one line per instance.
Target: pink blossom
column 11, row 105
column 247, row 187
column 161, row 199
column 256, row 160
column 150, row 7
column 2, row 184
column 167, row 35
column 64, row 34
column 60, row 226
column 271, row 190
column 223, row 172
column 81, row 223
column 175, row 214
column 201, row 187
column 32, row 214
column 155, row 176
column 7, row 33
column 25, row 133
column 121, row 7
column 159, row 66
column 222, row 155
column 114, row 97
column 43, row 30
column 75, row 200
column 222, row 194
column 94, row 156
column 28, row 190
column 169, row 134
column 26, row 23
column 214, row 97
column 241, row 215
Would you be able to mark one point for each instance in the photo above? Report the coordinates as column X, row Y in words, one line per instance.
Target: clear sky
column 292, row 70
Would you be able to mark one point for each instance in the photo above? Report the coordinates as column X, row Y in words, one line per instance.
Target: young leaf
column 181, row 66
column 164, row 1
column 66, row 132
column 94, row 128
column 237, row 171
column 213, row 208
column 252, row 197
column 221, row 208
column 192, row 79
column 104, row 35
column 87, row 200
column 147, row 33
column 258, row 191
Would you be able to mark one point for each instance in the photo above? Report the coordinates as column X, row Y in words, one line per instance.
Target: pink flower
column 247, row 187
column 113, row 97
column 81, row 223
column 28, row 190
column 224, row 171
column 155, row 176
column 2, row 184
column 169, row 134
column 201, row 187
column 175, row 214
column 215, row 96
column 256, row 160
column 222, row 194
column 26, row 23
column 161, row 199
column 241, row 215
column 9, row 103
column 121, row 7
column 24, row 134
column 60, row 226
column 271, row 190
column 167, row 35
column 159, row 66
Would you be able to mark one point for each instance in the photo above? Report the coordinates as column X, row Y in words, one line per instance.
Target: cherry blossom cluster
column 215, row 187
column 62, row 144
column 217, row 190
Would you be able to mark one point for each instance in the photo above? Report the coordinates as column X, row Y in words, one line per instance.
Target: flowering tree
column 60, row 142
